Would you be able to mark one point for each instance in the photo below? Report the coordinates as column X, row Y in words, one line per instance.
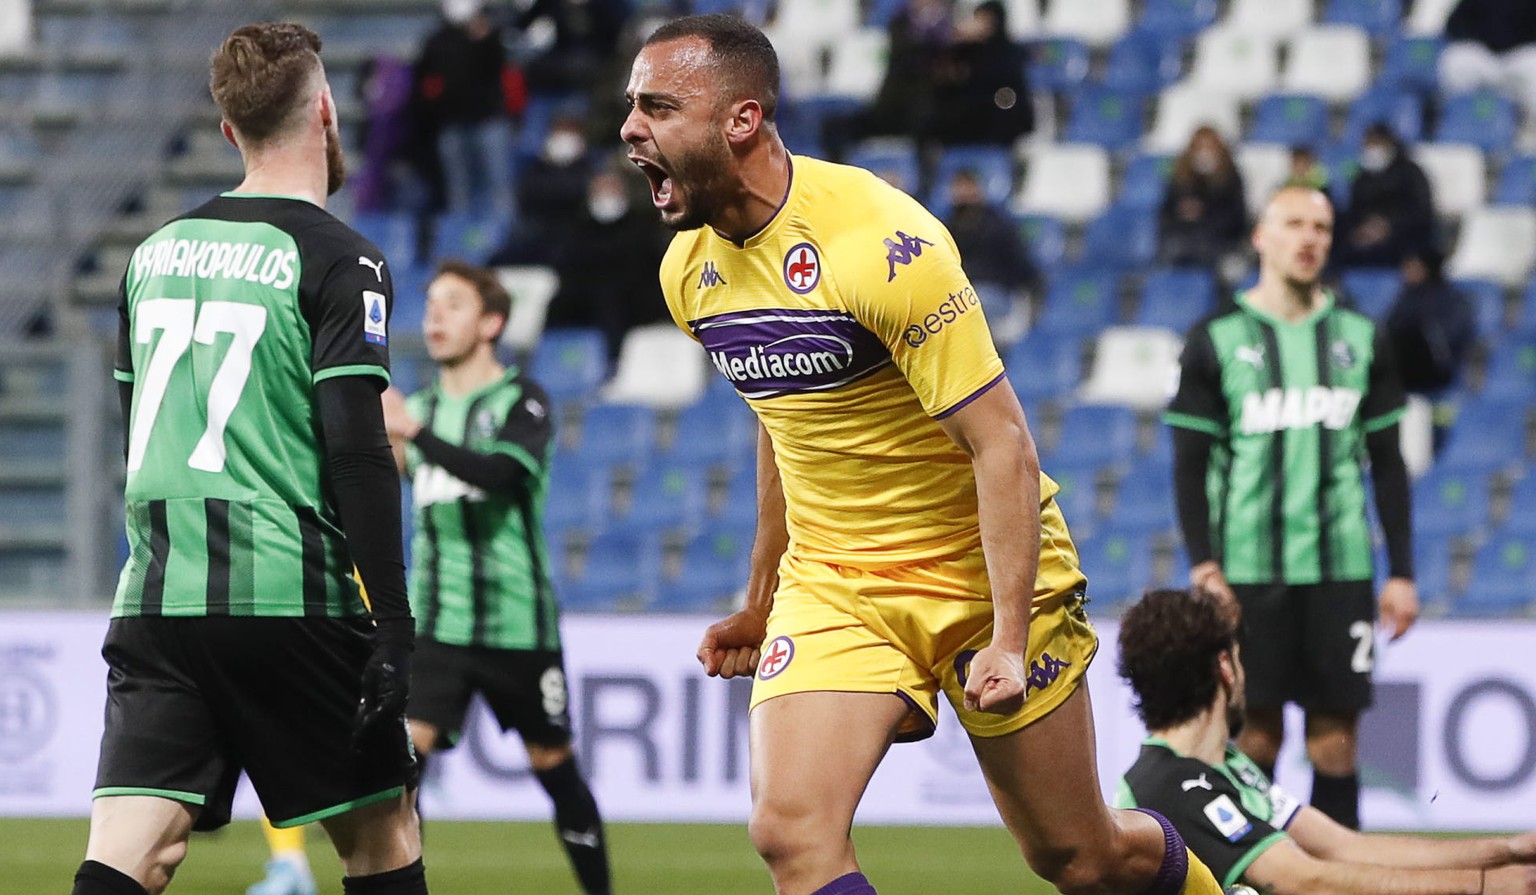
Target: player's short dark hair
column 744, row 60
column 1170, row 644
column 258, row 75
column 494, row 297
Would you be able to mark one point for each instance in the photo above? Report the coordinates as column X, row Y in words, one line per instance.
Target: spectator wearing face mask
column 1391, row 213
column 1203, row 218
column 550, row 190
column 607, row 261
column 995, row 257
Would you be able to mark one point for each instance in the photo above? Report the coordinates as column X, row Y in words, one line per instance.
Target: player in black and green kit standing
column 1281, row 400
column 477, row 444
column 252, row 351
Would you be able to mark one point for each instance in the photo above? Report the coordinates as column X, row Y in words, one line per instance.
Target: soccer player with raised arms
column 1282, row 395
column 253, row 347
column 907, row 543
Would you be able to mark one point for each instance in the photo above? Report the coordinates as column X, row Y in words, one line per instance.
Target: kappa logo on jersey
column 802, row 268
column 902, row 252
column 710, row 276
column 774, row 351
column 949, row 310
column 376, row 266
column 375, row 318
column 1252, row 355
column 1229, row 821
column 1197, row 783
column 776, row 658
column 1298, row 408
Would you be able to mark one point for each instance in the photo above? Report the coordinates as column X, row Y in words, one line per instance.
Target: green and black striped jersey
column 229, row 316
column 480, row 567
column 1289, row 404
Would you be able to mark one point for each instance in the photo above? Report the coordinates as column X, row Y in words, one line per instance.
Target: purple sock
column 1170, row 876
column 847, row 884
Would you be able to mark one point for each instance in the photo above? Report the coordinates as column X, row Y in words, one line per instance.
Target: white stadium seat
column 1238, row 63
column 800, row 62
column 1332, row 61
column 15, row 28
column 531, row 289
column 1264, row 167
column 1136, row 366
column 1496, row 243
column 1457, row 176
column 659, row 366
column 1184, row 107
column 1427, row 18
column 1065, row 180
column 858, row 64
column 819, row 21
column 1273, row 18
column 1098, row 22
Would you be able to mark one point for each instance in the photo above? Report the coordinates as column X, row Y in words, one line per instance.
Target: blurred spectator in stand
column 550, row 191
column 1203, row 219
column 607, row 261
column 1306, row 170
column 981, row 90
column 469, row 92
column 1492, row 44
column 1391, row 213
column 917, row 33
column 996, row 259
column 1432, row 328
column 585, row 43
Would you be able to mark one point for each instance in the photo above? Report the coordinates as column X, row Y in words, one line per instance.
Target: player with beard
column 907, row 543
column 253, row 346
column 1179, row 653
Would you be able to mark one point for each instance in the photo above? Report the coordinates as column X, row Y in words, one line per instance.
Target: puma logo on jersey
column 1198, row 783
column 376, row 266
column 1298, row 408
column 1250, row 354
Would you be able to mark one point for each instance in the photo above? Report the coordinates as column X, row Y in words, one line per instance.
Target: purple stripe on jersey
column 1175, row 867
column 973, row 396
column 847, row 884
column 769, row 352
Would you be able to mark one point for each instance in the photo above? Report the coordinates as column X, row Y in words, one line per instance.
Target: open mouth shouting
column 660, row 180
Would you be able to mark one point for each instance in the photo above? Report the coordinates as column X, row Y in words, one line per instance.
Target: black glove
column 386, row 677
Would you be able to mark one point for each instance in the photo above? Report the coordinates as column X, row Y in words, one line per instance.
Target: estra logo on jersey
column 776, row 351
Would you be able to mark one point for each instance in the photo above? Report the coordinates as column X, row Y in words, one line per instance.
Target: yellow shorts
column 912, row 630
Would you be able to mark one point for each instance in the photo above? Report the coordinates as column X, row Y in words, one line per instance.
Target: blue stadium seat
column 1123, row 237
column 739, row 505
column 1144, row 501
column 1511, row 371
column 1095, row 434
column 1504, row 581
column 1044, row 366
column 1145, row 181
column 1046, row 239
column 1144, row 62
column 1522, row 509
column 1343, row 164
column 1485, row 119
column 621, row 570
column 1177, row 18
column 467, row 236
column 30, row 507
column 570, row 363
column 881, row 12
column 1372, row 290
column 620, row 434
column 1108, row 117
column 714, row 569
column 1080, row 303
column 32, row 445
column 579, row 493
column 1412, row 64
column 1078, row 498
column 1402, row 111
column 1489, row 431
column 1431, row 570
column 1379, row 18
column 714, row 431
column 993, row 164
column 1517, row 182
column 1058, row 64
column 894, row 160
column 1158, row 455
column 1487, row 299
column 1118, row 565
column 1176, row 297
column 666, row 498
column 1449, row 503
column 1525, row 321
column 1290, row 119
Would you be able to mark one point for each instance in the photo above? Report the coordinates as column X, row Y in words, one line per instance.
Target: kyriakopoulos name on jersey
column 1298, row 408
column 249, row 261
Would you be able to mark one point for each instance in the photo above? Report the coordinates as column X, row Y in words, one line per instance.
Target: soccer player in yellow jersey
column 907, row 542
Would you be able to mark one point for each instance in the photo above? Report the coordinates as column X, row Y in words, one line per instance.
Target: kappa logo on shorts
column 1043, row 672
column 776, row 658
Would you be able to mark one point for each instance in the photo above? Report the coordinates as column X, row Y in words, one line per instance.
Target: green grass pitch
column 39, row 857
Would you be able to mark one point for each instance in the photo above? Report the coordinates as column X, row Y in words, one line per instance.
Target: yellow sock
column 285, row 841
column 1199, row 880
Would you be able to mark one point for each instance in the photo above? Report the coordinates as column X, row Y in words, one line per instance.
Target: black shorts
column 1311, row 644
column 525, row 690
column 191, row 702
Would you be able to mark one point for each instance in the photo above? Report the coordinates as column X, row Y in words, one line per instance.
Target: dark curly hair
column 1170, row 642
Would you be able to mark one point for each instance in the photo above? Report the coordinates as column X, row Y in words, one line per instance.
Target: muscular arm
column 1322, row 837
column 992, row 431
column 1287, row 870
column 772, row 537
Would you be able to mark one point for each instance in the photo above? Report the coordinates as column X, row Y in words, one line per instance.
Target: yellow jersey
column 848, row 326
